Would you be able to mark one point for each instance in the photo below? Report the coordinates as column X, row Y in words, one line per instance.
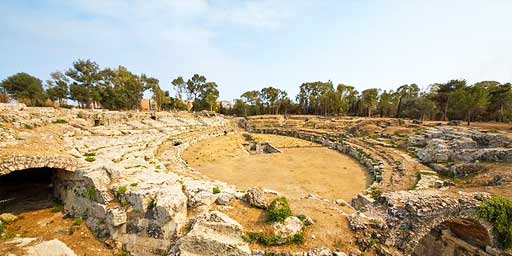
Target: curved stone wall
column 22, row 162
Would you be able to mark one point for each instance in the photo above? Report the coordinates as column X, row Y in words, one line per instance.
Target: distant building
column 226, row 104
column 148, row 104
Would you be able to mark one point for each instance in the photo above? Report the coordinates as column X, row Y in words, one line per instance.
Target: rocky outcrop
column 444, row 144
column 290, row 227
column 212, row 234
column 256, row 197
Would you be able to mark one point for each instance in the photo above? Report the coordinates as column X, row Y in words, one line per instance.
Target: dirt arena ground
column 303, row 167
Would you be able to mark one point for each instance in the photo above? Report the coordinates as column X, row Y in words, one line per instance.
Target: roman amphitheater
column 93, row 182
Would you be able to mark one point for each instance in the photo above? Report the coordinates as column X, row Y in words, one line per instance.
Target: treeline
column 111, row 88
column 483, row 101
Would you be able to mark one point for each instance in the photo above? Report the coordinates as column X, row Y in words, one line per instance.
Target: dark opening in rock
column 455, row 237
column 26, row 190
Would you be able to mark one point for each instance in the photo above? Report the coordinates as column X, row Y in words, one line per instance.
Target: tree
column 58, row 87
column 195, row 85
column 386, row 104
column 151, row 83
column 253, row 99
column 269, row 96
column 24, row 88
column 407, row 95
column 4, row 98
column 500, row 101
column 208, row 96
column 471, row 99
column 85, row 75
column 179, row 86
column 369, row 100
column 443, row 93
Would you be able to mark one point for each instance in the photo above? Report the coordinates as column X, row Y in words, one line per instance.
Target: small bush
column 279, row 210
column 124, row 202
column 134, row 184
column 60, row 121
column 121, row 190
column 58, row 208
column 78, row 221
column 123, row 253
column 375, row 192
column 90, row 193
column 90, row 159
column 27, row 126
column 498, row 211
column 271, row 239
column 90, row 154
column 8, row 235
column 297, row 238
column 2, row 226
column 216, row 190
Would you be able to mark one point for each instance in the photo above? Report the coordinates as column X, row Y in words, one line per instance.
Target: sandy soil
column 302, row 167
column 330, row 227
column 27, row 194
column 47, row 225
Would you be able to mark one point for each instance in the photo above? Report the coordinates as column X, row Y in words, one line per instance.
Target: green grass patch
column 90, row 159
column 58, row 208
column 90, row 193
column 216, row 190
column 8, row 235
column 78, row 221
column 121, row 190
column 124, row 202
column 271, row 240
column 3, row 225
column 279, row 210
column 498, row 211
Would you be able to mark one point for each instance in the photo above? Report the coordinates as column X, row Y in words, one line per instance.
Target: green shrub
column 60, row 121
column 498, row 211
column 58, row 208
column 297, row 238
column 90, row 193
column 216, row 190
column 121, row 190
column 279, row 210
column 271, row 239
column 78, row 221
column 124, row 202
column 90, row 154
column 90, row 159
column 2, row 226
column 8, row 235
column 375, row 192
column 134, row 184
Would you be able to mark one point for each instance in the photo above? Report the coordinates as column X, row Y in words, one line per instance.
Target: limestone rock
column 8, row 217
column 224, row 199
column 361, row 201
column 288, row 228
column 50, row 248
column 255, row 197
column 212, row 234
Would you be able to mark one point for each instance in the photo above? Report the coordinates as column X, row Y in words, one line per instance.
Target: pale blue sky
column 245, row 45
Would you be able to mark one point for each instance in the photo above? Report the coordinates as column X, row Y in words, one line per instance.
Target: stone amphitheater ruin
column 125, row 175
